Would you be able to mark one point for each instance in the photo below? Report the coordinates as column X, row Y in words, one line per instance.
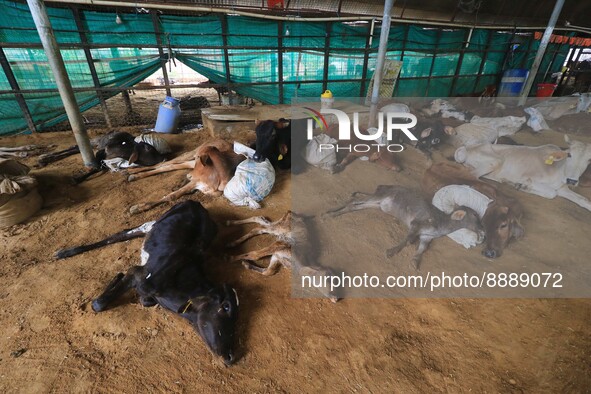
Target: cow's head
column 214, row 317
column 267, row 144
column 206, row 174
column 434, row 135
column 501, row 224
column 577, row 159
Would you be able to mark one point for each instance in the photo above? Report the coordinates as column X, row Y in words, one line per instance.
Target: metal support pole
column 379, row 72
column 280, row 59
column 163, row 59
column 541, row 50
column 224, row 20
column 326, row 55
column 366, row 57
column 58, row 68
column 95, row 79
column 20, row 99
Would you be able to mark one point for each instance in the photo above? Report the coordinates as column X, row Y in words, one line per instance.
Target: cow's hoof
column 416, row 264
column 135, row 209
column 98, row 306
column 131, row 178
column 391, row 252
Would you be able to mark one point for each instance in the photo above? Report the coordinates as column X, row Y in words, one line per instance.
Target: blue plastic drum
column 169, row 113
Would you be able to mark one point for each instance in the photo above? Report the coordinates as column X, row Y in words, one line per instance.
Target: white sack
column 159, row 143
column 505, row 125
column 252, row 181
column 469, row 134
column 449, row 197
column 536, row 120
column 325, row 159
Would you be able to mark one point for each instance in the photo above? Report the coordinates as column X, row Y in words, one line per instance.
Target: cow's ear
column 426, row 133
column 205, row 160
column 458, row 215
column 517, row 230
column 449, row 130
column 283, row 149
column 257, row 122
column 556, row 156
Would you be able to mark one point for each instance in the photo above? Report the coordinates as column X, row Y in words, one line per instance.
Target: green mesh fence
column 436, row 61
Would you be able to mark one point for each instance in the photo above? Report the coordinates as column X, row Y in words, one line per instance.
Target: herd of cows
column 173, row 265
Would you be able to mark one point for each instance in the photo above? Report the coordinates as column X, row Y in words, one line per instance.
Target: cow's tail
column 121, row 236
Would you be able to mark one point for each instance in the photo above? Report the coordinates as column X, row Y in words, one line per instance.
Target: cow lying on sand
column 424, row 221
column 546, row 170
column 213, row 164
column 288, row 230
column 501, row 220
column 171, row 274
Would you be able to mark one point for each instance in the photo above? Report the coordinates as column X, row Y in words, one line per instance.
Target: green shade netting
column 436, row 61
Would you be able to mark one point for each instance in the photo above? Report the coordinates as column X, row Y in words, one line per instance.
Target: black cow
column 431, row 134
column 122, row 145
column 172, row 275
column 279, row 141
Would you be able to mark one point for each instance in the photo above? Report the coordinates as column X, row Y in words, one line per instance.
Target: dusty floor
column 51, row 341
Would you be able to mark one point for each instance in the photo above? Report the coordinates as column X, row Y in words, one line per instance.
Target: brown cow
column 502, row 217
column 213, row 164
column 289, row 231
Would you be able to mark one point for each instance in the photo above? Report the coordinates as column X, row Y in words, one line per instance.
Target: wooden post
column 20, row 99
column 95, row 79
column 224, row 20
column 439, row 33
column 54, row 57
column 460, row 59
column 163, row 59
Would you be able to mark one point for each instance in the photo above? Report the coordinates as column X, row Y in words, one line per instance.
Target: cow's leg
column 581, row 201
column 259, row 254
column 117, row 237
column 117, row 287
column 53, row 157
column 423, row 245
column 356, row 204
column 187, row 189
column 81, row 178
column 350, row 158
column 144, row 172
column 539, row 190
column 255, row 219
column 274, row 265
column 410, row 238
column 252, row 233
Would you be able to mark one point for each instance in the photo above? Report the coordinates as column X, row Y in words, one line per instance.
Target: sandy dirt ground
column 51, row 340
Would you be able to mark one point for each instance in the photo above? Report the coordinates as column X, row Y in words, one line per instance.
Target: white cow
column 545, row 170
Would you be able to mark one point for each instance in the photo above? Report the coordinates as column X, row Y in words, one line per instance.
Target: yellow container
column 326, row 99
